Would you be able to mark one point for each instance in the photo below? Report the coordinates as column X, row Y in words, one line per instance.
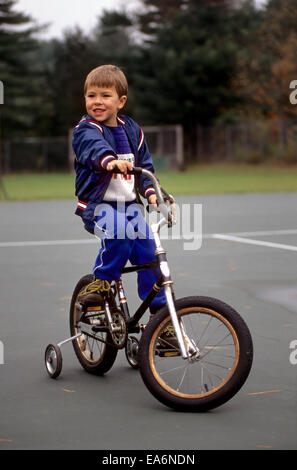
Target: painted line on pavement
column 251, row 241
column 232, row 236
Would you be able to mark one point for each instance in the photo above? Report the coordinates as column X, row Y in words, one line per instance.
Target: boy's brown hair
column 107, row 76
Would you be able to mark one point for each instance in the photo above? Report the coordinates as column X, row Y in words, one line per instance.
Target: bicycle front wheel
column 219, row 370
column 95, row 353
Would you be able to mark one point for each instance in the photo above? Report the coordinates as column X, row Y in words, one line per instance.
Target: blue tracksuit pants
column 125, row 236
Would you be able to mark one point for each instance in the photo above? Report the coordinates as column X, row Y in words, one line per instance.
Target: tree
column 159, row 13
column 71, row 60
column 186, row 71
column 16, row 69
column 270, row 65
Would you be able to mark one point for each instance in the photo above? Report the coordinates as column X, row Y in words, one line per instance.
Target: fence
column 46, row 154
column 40, row 154
column 246, row 142
column 166, row 146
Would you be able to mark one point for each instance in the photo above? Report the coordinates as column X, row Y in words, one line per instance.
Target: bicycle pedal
column 94, row 308
column 167, row 353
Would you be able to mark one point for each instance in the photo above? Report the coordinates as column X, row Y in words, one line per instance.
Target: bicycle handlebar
column 160, row 199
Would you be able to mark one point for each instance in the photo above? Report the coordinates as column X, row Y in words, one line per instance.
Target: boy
column 104, row 141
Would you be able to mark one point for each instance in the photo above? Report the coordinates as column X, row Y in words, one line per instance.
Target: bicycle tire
column 84, row 349
column 190, row 392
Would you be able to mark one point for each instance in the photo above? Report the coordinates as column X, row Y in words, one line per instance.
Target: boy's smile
column 103, row 104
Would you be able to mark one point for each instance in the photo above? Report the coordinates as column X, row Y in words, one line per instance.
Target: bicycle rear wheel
column 212, row 378
column 95, row 353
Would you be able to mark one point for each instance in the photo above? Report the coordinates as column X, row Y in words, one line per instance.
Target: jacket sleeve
column 145, row 161
column 90, row 147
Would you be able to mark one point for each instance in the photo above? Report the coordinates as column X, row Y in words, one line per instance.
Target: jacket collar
column 120, row 119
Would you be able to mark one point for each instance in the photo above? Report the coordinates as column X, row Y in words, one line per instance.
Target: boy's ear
column 123, row 101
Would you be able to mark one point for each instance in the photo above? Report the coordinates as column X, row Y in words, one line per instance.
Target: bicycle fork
column 187, row 346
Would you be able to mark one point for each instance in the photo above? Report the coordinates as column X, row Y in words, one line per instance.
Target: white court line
column 232, row 236
column 83, row 241
column 251, row 241
column 291, row 231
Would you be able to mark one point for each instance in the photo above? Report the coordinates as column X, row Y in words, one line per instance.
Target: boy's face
column 103, row 104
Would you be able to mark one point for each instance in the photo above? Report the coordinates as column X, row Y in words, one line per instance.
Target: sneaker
column 92, row 301
column 92, row 294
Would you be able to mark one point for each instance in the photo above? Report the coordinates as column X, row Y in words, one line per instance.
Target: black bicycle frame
column 133, row 326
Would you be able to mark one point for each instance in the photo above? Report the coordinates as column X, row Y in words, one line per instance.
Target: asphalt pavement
column 245, row 260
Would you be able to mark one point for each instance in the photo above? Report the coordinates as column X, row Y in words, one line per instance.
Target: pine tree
column 16, row 45
column 270, row 66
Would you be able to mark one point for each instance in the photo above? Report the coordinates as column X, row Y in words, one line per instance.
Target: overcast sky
column 64, row 14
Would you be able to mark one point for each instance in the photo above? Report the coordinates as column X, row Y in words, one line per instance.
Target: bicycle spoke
column 215, row 364
column 172, row 369
column 210, row 372
column 217, row 344
column 182, row 379
column 209, row 322
column 206, row 372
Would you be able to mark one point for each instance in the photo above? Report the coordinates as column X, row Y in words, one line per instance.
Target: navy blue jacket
column 94, row 146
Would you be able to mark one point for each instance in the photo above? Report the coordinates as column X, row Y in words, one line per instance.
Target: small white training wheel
column 53, row 360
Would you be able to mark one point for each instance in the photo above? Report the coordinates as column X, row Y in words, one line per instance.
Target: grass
column 204, row 179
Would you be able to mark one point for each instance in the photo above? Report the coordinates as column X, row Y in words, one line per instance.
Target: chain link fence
column 36, row 154
column 246, row 142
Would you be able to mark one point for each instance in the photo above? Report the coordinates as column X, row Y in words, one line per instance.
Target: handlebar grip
column 135, row 171
column 160, row 199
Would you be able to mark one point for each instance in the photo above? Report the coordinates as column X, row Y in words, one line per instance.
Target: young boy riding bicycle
column 105, row 142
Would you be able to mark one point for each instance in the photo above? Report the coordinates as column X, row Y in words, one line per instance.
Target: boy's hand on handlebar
column 122, row 165
column 152, row 200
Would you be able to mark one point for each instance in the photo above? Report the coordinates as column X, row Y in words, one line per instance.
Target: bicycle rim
column 219, row 355
column 92, row 348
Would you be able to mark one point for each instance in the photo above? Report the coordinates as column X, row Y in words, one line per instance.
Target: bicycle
column 193, row 355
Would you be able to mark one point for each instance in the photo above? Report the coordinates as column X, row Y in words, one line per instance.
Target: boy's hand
column 122, row 165
column 152, row 199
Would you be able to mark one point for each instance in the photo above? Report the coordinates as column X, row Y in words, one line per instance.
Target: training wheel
column 53, row 360
column 131, row 350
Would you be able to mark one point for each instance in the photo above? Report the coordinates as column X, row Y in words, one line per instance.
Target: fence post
column 45, row 154
column 71, row 154
column 228, row 142
column 7, row 156
column 199, row 144
column 1, row 92
column 180, row 147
